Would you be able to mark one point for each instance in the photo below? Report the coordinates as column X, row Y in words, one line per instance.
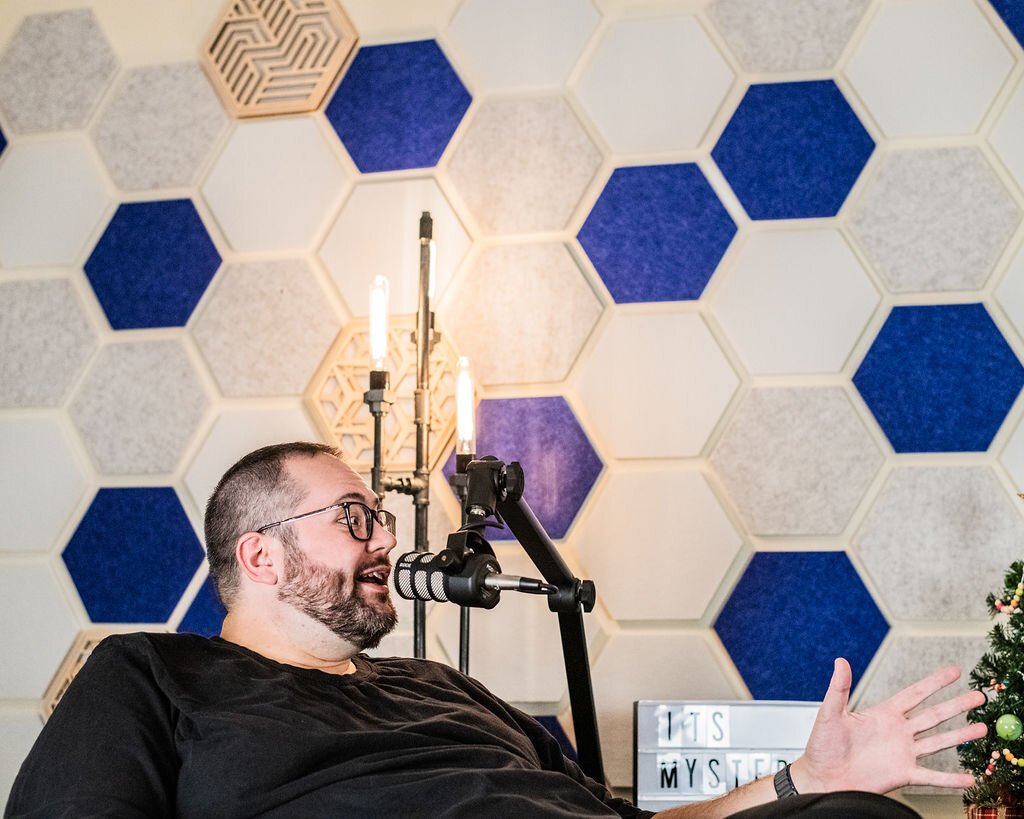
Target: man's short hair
column 254, row 492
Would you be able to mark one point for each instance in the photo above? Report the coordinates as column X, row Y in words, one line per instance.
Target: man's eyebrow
column 348, row 496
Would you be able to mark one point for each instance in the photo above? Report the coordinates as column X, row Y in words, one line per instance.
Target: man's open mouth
column 377, row 576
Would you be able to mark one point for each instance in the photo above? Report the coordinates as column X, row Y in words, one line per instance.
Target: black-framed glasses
column 357, row 515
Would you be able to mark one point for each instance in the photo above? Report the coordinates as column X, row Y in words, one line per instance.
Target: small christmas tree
column 997, row 759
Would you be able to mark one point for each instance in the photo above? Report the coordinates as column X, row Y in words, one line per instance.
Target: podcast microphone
column 477, row 582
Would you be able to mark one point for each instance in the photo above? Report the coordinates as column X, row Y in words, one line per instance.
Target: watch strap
column 784, row 786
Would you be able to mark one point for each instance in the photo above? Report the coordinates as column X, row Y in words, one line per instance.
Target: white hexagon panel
column 38, row 629
column 796, row 460
column 542, row 285
column 786, row 35
column 159, row 127
column 678, row 539
column 138, row 407
column 1010, row 294
column 654, row 84
column 265, row 327
column 522, row 165
column 19, row 728
column 651, row 666
column 41, row 483
column 933, row 219
column 52, row 197
column 235, row 433
column 377, row 234
column 793, row 301
column 1007, row 135
column 944, row 513
column 532, row 44
column 54, row 71
column 929, row 68
column 275, row 185
column 667, row 373
column 515, row 648
column 45, row 341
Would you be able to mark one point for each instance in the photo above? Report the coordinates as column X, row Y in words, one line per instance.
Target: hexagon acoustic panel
column 819, row 596
column 679, row 541
column 914, row 54
column 398, row 106
column 20, row 729
column 523, row 164
column 796, row 460
column 138, row 407
column 264, row 198
column 134, row 538
column 41, row 483
column 933, row 219
column 794, row 301
column 654, row 84
column 159, row 127
column 539, row 281
column 80, row 651
column 1007, row 133
column 52, row 197
column 939, row 378
column 334, row 397
column 152, row 264
column 944, row 512
column 543, row 434
column 656, row 233
column 793, row 150
column 1013, row 15
column 681, row 398
column 278, row 58
column 264, row 327
column 45, row 341
column 532, row 45
column 206, row 614
column 54, row 71
column 786, row 35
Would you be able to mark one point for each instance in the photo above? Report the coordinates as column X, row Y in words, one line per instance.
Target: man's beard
column 331, row 598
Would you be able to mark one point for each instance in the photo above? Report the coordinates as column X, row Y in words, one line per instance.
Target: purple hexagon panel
column 793, row 150
column 559, row 462
column 398, row 106
column 656, row 233
column 940, row 378
column 132, row 555
column 791, row 615
column 206, row 614
column 152, row 264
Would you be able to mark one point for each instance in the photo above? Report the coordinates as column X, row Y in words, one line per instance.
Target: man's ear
column 255, row 560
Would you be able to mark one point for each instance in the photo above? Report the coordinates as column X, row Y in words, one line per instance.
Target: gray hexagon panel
column 523, row 164
column 159, row 127
column 138, row 407
column 796, row 460
column 265, row 327
column 933, row 219
column 45, row 341
column 54, row 71
column 943, row 513
column 541, row 282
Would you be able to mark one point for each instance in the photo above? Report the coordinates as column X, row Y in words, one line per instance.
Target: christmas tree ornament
column 1009, row 726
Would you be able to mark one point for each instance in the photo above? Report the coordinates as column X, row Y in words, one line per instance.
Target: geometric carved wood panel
column 277, row 56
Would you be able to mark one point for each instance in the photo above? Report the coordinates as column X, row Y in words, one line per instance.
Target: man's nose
column 382, row 540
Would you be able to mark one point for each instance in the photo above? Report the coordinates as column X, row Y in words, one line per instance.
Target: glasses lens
column 359, row 521
column 386, row 519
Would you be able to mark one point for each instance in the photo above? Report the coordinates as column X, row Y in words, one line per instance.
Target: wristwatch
column 784, row 784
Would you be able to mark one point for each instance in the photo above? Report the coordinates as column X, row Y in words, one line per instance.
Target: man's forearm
column 750, row 795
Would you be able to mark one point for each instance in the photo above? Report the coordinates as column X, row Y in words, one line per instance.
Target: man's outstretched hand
column 878, row 749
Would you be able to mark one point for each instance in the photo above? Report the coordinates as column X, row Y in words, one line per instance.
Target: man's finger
column 838, row 695
column 926, row 776
column 940, row 712
column 947, row 739
column 913, row 695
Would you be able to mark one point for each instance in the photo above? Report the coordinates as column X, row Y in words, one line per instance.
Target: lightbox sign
column 689, row 751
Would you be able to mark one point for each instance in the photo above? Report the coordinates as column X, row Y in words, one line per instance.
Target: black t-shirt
column 178, row 725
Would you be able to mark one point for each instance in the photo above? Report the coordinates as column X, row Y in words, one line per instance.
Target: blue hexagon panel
column 206, row 614
column 656, row 233
column 132, row 555
column 398, row 106
column 940, row 378
column 3, row 142
column 1012, row 12
column 791, row 615
column 554, row 727
column 558, row 460
column 793, row 150
column 152, row 264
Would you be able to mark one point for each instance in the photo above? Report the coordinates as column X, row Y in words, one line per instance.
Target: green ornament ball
column 1009, row 727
